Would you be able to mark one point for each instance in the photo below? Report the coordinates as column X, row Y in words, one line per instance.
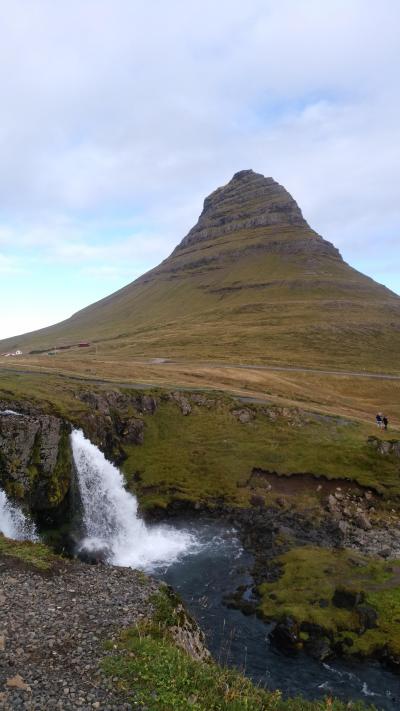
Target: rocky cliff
column 35, row 458
column 249, row 201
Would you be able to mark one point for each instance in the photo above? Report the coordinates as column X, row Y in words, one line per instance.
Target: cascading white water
column 13, row 522
column 110, row 515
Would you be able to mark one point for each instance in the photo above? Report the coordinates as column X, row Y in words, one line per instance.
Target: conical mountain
column 251, row 282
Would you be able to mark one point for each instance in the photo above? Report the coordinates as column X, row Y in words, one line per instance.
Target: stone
column 319, row 648
column 332, row 504
column 244, row 415
column 183, row 403
column 343, row 527
column 133, row 431
column 17, row 682
column 347, row 599
column 285, row 635
column 368, row 616
column 363, row 522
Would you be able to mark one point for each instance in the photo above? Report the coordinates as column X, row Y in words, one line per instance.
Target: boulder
column 285, row 635
column 244, row 415
column 133, row 431
column 319, row 648
column 332, row 504
column 347, row 599
column 368, row 616
column 183, row 403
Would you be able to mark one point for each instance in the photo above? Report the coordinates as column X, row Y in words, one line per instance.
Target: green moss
column 15, row 489
column 148, row 667
column 61, row 477
column 34, row 466
column 166, row 604
column 37, row 555
column 311, row 574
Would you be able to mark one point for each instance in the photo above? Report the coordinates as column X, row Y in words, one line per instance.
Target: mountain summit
column 248, row 200
column 251, row 282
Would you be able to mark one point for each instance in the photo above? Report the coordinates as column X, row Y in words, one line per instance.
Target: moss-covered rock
column 36, row 459
column 348, row 600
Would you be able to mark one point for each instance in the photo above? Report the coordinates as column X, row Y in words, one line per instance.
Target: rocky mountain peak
column 249, row 200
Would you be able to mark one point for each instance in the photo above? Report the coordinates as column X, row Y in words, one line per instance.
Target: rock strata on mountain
column 248, row 200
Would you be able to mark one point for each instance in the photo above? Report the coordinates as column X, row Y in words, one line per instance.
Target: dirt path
column 52, row 631
column 281, row 368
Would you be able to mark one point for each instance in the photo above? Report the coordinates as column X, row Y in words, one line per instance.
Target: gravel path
column 52, row 630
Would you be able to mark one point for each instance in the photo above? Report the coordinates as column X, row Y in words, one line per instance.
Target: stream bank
column 347, row 516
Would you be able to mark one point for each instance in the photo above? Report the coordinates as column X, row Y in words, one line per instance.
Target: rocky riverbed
column 52, row 632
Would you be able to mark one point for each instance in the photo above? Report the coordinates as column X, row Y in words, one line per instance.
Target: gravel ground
column 52, row 631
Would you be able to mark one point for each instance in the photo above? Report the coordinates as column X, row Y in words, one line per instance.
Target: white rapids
column 13, row 522
column 110, row 515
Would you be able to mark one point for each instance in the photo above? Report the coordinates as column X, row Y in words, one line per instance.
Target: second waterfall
column 110, row 515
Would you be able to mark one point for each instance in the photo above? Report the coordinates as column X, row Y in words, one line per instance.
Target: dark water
column 218, row 568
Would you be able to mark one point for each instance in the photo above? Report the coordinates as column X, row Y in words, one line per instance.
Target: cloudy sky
column 117, row 117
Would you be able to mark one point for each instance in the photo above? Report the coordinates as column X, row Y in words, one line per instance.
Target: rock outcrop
column 385, row 446
column 35, row 458
column 248, row 200
column 115, row 419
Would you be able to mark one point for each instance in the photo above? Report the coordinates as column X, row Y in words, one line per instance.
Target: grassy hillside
column 209, row 455
column 250, row 283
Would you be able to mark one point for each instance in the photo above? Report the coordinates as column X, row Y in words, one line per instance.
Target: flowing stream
column 204, row 561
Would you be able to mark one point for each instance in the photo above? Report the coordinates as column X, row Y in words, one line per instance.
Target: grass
column 345, row 395
column 306, row 588
column 216, row 454
column 37, row 555
column 146, row 665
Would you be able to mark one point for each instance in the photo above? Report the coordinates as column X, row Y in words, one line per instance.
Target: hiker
column 379, row 420
column 385, row 422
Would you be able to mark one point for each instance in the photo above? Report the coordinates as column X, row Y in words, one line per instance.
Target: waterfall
column 110, row 515
column 13, row 522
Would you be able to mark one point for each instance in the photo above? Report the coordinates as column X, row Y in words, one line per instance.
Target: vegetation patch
column 37, row 555
column 208, row 455
column 352, row 599
column 61, row 477
column 146, row 665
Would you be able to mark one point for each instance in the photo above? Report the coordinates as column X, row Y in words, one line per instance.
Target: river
column 203, row 561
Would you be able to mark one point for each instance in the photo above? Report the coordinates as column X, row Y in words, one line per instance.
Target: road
column 206, row 364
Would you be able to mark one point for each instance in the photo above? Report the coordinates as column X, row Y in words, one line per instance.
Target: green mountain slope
column 251, row 283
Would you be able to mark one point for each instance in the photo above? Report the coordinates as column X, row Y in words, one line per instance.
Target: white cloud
column 118, row 118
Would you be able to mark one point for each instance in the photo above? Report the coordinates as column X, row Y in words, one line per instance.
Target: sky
column 118, row 118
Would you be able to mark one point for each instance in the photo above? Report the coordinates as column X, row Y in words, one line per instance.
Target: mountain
column 251, row 282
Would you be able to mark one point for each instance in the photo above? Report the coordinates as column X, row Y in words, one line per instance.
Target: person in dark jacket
column 385, row 422
column 379, row 420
